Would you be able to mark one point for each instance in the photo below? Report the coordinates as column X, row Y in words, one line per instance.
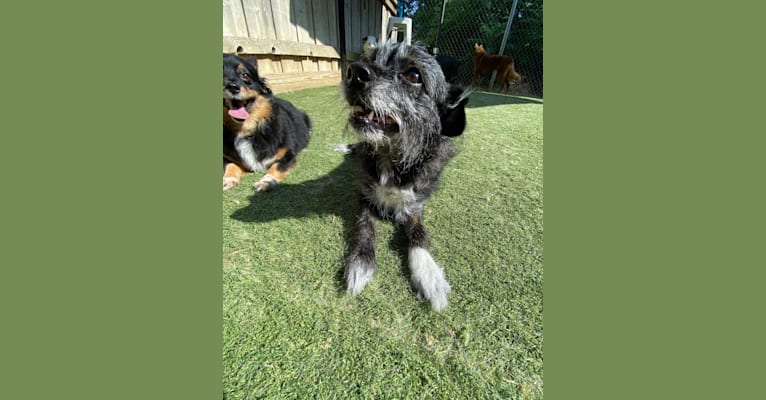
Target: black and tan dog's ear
column 251, row 64
column 452, row 112
column 264, row 88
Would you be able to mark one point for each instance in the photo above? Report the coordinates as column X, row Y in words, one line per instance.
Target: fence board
column 356, row 27
column 282, row 21
column 233, row 19
column 295, row 81
column 258, row 18
column 370, row 14
column 277, row 47
column 290, row 65
column 303, row 20
column 374, row 20
column 325, row 16
column 383, row 17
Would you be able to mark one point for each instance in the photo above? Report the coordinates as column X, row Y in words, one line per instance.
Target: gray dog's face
column 397, row 94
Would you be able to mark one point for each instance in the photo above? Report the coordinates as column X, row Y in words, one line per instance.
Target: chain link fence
column 451, row 28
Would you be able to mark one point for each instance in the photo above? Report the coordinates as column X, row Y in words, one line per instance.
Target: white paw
column 428, row 278
column 358, row 274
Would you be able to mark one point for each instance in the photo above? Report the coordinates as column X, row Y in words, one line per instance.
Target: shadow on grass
column 331, row 194
column 334, row 193
column 485, row 99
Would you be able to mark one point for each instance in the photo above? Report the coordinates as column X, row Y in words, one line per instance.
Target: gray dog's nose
column 359, row 73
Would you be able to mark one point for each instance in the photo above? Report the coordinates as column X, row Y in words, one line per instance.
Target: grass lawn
column 289, row 329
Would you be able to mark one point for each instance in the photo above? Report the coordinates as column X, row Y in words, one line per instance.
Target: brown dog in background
column 484, row 63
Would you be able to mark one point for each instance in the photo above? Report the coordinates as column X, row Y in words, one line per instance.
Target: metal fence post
column 505, row 39
column 439, row 28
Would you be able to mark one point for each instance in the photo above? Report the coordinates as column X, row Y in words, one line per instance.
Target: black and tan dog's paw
column 265, row 184
column 232, row 175
column 230, row 182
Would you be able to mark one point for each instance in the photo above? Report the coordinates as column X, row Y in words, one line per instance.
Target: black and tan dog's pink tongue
column 239, row 113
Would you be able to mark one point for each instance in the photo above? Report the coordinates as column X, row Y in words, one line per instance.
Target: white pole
column 505, row 39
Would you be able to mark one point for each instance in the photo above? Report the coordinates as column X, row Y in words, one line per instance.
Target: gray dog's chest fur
column 399, row 201
column 399, row 193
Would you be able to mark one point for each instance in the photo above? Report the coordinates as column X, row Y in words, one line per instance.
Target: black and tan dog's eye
column 412, row 75
column 245, row 77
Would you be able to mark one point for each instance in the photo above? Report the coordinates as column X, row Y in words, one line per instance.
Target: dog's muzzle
column 232, row 88
column 359, row 81
column 236, row 106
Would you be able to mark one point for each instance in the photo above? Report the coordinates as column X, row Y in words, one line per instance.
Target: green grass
column 289, row 329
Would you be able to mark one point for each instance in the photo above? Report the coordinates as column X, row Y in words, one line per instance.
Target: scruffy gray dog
column 406, row 114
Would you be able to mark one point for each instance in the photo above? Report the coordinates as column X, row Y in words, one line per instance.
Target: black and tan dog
column 406, row 115
column 260, row 131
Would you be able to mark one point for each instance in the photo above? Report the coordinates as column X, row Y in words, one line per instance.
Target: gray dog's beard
column 390, row 113
column 403, row 134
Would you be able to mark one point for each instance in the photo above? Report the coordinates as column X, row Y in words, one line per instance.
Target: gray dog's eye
column 412, row 75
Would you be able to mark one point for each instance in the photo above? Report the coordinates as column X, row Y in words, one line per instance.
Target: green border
column 112, row 256
column 653, row 203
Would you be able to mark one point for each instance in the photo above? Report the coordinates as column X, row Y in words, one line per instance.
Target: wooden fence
column 298, row 43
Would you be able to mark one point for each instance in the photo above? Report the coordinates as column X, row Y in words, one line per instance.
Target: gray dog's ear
column 452, row 112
